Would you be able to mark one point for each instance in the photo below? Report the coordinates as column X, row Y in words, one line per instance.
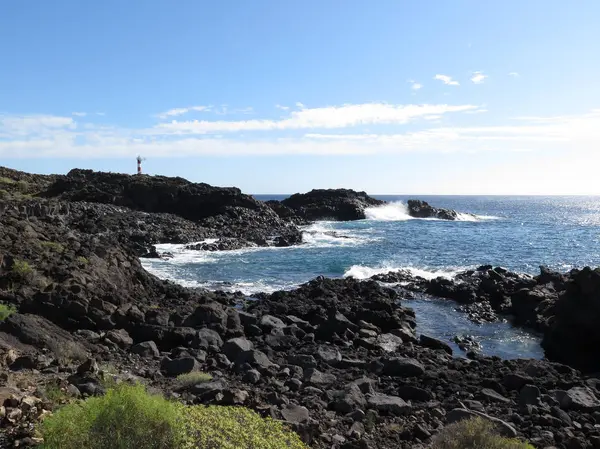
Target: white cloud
column 327, row 117
column 446, row 80
column 79, row 114
column 283, row 108
column 181, row 111
column 300, row 105
column 514, row 74
column 573, row 136
column 416, row 86
column 478, row 77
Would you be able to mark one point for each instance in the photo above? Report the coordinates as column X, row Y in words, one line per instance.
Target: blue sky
column 429, row 97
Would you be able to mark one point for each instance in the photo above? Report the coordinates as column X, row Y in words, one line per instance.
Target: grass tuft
column 6, row 311
column 190, row 379
column 53, row 246
column 475, row 433
column 22, row 269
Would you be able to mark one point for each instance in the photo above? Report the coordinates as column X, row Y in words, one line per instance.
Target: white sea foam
column 398, row 211
column 363, row 272
column 324, row 234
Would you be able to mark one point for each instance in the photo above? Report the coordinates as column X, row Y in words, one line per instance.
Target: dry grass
column 475, row 433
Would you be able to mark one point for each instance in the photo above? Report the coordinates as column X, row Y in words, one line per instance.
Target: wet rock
column 421, row 209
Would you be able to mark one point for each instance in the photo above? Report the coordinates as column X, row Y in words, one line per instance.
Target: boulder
column 179, row 366
column 236, row 346
column 146, row 349
column 391, row 405
column 295, row 414
column 402, row 367
column 433, row 343
column 120, row 337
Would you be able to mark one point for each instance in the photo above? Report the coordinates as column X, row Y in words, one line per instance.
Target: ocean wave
column 398, row 211
column 363, row 272
column 325, row 234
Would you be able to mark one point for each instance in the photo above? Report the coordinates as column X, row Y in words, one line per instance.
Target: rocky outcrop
column 326, row 204
column 573, row 336
column 422, row 209
column 226, row 211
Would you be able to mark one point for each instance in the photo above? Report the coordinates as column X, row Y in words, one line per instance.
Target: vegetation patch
column 5, row 180
column 82, row 260
column 6, row 311
column 127, row 417
column 475, row 433
column 22, row 269
column 53, row 246
column 194, row 378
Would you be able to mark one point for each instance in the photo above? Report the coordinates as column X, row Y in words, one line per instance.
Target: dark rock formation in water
column 422, row 209
column 336, row 359
column 573, row 336
column 326, row 204
column 563, row 307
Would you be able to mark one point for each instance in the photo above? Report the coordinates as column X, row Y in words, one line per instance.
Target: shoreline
column 337, row 359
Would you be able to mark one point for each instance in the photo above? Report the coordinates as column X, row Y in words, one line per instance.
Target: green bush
column 127, row 417
column 5, row 180
column 22, row 269
column 217, row 427
column 82, row 260
column 191, row 379
column 53, row 246
column 475, row 433
column 6, row 311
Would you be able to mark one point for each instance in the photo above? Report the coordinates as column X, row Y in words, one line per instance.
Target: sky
column 387, row 96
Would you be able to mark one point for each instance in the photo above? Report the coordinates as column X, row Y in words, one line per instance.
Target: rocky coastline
column 342, row 361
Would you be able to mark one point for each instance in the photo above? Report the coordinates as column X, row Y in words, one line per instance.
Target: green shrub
column 191, row 379
column 53, row 246
column 217, row 427
column 5, row 180
column 6, row 311
column 475, row 433
column 22, row 269
column 82, row 260
column 127, row 417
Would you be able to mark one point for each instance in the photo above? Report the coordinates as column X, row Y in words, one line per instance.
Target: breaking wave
column 398, row 211
column 364, row 272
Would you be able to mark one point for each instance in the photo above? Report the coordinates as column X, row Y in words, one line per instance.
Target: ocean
column 518, row 233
